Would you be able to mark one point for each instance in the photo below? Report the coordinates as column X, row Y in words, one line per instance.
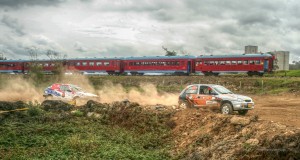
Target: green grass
column 36, row 137
column 290, row 73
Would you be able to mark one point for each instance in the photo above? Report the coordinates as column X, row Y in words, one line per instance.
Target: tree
column 295, row 65
column 35, row 68
column 169, row 53
column 33, row 53
column 58, row 61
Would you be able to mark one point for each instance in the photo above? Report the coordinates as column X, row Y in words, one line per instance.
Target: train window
column 106, row 63
column 211, row 62
column 177, row 63
column 199, row 63
column 84, row 63
column 91, row 64
column 98, row 63
column 246, row 62
column 216, row 62
column 233, row 62
column 77, row 63
column 239, row 62
column 257, row 62
column 222, row 62
column 205, row 62
column 251, row 62
column 227, row 62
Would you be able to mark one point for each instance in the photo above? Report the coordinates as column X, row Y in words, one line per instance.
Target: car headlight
column 240, row 100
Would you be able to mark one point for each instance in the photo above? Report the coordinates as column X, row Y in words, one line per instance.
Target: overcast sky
column 114, row 28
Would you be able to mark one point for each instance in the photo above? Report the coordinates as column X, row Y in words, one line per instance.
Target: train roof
column 13, row 60
column 151, row 57
column 71, row 59
column 93, row 59
column 158, row 57
column 236, row 55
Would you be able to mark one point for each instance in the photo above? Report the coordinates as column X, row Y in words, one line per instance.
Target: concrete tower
column 251, row 49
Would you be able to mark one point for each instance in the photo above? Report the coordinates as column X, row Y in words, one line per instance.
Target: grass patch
column 39, row 134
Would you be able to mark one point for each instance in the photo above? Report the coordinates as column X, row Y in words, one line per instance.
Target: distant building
column 282, row 60
column 2, row 57
column 251, row 49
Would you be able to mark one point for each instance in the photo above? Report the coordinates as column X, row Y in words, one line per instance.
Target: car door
column 189, row 93
column 66, row 91
column 206, row 97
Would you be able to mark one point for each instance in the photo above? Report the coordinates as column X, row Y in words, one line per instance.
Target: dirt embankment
column 195, row 133
column 201, row 134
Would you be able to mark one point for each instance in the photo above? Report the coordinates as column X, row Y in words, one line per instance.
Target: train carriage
column 252, row 64
column 11, row 66
column 111, row 66
column 178, row 65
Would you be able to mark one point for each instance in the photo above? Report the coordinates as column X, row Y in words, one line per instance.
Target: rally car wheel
column 184, row 105
column 226, row 108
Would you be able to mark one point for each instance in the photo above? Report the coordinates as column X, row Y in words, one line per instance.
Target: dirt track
column 284, row 109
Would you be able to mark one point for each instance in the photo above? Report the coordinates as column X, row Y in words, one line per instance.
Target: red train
column 252, row 64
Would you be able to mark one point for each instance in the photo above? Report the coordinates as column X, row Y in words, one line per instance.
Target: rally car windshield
column 222, row 90
column 75, row 88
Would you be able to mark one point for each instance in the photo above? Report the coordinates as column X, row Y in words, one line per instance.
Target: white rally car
column 66, row 92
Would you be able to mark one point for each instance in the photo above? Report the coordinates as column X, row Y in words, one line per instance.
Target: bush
column 34, row 111
column 77, row 113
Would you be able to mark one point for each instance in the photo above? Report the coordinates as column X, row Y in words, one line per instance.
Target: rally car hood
column 86, row 94
column 233, row 97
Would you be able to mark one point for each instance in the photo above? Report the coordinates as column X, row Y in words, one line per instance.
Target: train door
column 189, row 64
column 122, row 66
column 22, row 67
column 266, row 65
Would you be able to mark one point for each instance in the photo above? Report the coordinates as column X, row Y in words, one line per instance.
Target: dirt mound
column 127, row 114
column 201, row 134
column 56, row 106
column 10, row 106
column 6, row 106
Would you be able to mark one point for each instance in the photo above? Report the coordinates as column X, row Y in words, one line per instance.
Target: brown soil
column 278, row 108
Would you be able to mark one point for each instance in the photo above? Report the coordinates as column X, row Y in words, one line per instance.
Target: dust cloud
column 147, row 95
column 18, row 89
column 23, row 89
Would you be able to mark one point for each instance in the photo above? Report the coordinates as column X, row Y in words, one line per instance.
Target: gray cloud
column 138, row 28
column 21, row 3
column 79, row 47
column 13, row 24
column 258, row 18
